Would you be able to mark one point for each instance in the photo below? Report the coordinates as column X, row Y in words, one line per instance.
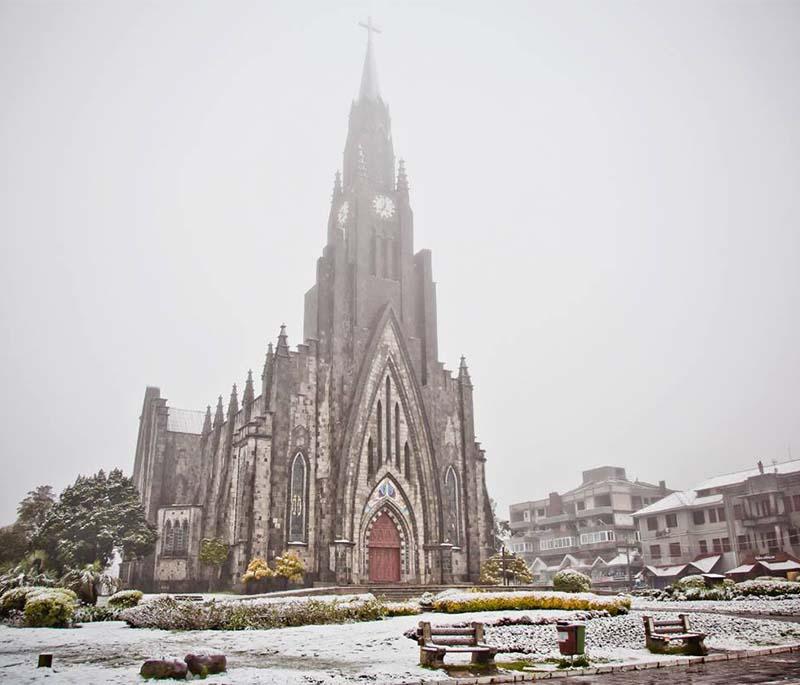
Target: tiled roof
column 185, row 421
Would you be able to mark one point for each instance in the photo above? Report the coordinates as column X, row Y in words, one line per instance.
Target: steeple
column 369, row 75
column 219, row 417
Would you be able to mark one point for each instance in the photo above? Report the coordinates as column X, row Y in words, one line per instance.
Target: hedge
column 502, row 601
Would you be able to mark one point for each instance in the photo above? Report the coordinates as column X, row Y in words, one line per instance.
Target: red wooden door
column 384, row 551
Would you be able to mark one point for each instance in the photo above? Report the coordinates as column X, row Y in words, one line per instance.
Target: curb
column 601, row 670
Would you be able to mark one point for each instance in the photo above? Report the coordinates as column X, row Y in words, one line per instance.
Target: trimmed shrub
column 503, row 601
column 570, row 580
column 693, row 582
column 401, row 609
column 88, row 613
column 257, row 569
column 767, row 588
column 124, row 599
column 48, row 608
column 290, row 566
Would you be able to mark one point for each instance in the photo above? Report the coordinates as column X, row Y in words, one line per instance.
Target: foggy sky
column 610, row 192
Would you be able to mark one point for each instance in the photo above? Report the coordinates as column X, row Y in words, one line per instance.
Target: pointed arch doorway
column 384, row 551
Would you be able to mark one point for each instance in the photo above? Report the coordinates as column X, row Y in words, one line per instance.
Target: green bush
column 88, row 613
column 14, row 599
column 690, row 582
column 401, row 609
column 48, row 608
column 570, row 580
column 767, row 588
column 124, row 599
column 504, row 601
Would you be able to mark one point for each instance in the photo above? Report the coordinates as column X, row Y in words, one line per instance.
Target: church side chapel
column 357, row 449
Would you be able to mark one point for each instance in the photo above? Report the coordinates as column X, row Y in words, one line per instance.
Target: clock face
column 344, row 212
column 384, row 207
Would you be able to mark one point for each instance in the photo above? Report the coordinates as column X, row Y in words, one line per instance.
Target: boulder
column 164, row 668
column 206, row 664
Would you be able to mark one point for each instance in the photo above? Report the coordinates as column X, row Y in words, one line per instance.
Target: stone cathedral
column 357, row 450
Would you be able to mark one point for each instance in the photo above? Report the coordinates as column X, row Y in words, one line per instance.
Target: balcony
column 750, row 521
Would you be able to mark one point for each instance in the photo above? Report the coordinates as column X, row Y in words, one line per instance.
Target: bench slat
column 477, row 648
column 453, row 641
column 443, row 630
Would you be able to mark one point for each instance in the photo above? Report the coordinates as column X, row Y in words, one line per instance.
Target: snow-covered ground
column 374, row 652
column 774, row 607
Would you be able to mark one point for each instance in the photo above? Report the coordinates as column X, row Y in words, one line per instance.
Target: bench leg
column 483, row 658
column 431, row 659
column 696, row 647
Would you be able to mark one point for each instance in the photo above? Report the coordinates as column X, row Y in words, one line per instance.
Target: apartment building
column 577, row 527
column 741, row 518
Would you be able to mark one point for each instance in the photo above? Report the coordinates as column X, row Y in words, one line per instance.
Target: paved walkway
column 775, row 668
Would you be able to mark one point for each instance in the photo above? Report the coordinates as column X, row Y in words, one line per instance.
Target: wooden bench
column 659, row 634
column 436, row 641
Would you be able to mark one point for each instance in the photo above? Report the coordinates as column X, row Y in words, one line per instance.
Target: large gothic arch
column 386, row 356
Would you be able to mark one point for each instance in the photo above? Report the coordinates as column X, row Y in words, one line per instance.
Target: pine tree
column 33, row 510
column 93, row 517
column 516, row 570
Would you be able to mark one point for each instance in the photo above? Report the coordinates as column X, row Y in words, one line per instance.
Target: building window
column 451, row 498
column 726, row 544
column 712, row 515
column 597, row 536
column 655, row 551
column 703, row 547
column 721, row 514
column 407, row 460
column 674, row 549
column 388, row 420
column 652, row 523
column 526, row 515
column 297, row 500
column 380, row 432
column 557, row 543
column 370, row 458
column 602, row 500
column 717, row 544
column 742, row 543
column 672, row 521
column 698, row 517
column 580, row 505
column 636, row 502
column 540, row 512
column 738, row 512
column 796, row 502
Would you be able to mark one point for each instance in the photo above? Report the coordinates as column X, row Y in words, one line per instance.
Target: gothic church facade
column 358, row 449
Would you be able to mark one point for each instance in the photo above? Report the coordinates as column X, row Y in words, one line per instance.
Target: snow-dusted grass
column 375, row 651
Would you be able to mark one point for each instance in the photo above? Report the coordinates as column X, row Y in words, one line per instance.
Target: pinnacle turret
column 233, row 405
column 337, row 184
column 207, row 421
column 463, row 372
column 219, row 417
column 282, row 350
column 249, row 394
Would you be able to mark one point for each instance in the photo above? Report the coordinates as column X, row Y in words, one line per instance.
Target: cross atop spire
column 369, row 76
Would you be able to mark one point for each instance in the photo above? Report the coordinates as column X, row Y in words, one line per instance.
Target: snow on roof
column 780, row 565
column 741, row 476
column 620, row 560
column 744, row 568
column 185, row 421
column 679, row 500
column 707, row 563
column 666, row 571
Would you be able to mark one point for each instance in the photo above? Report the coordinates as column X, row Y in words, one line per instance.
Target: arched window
column 370, row 459
column 397, row 435
column 380, row 433
column 396, row 255
column 452, row 506
column 387, row 258
column 297, row 499
column 373, row 253
column 407, row 462
column 182, row 537
column 168, row 546
column 388, row 420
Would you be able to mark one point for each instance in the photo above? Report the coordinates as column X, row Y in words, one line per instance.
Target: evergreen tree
column 213, row 552
column 91, row 518
column 13, row 545
column 505, row 569
column 33, row 510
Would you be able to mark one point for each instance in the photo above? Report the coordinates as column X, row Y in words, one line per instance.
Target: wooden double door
column 384, row 551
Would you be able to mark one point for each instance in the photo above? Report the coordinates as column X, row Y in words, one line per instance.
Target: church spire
column 233, row 405
column 283, row 347
column 369, row 76
column 249, row 394
column 463, row 372
column 219, row 417
column 207, row 421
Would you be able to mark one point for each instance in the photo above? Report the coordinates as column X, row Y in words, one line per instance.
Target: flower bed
column 501, row 601
column 169, row 613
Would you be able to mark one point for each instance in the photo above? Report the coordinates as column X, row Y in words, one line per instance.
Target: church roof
column 185, row 421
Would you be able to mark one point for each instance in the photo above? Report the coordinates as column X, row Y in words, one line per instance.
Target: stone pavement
column 773, row 668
